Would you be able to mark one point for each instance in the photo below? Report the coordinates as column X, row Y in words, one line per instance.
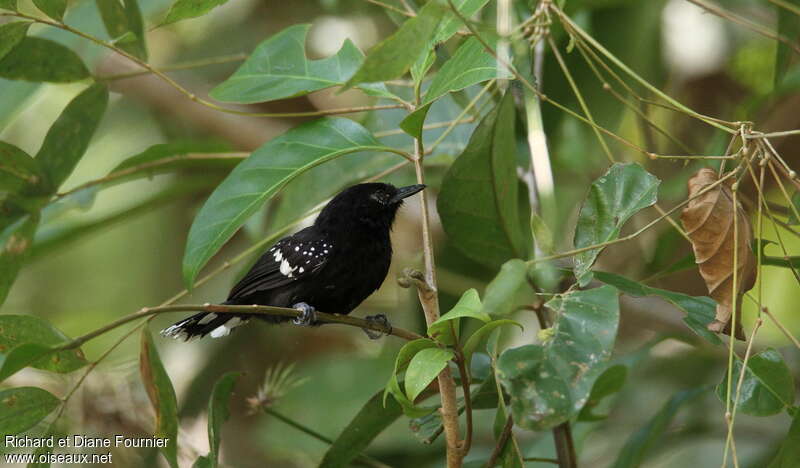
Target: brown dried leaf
column 709, row 221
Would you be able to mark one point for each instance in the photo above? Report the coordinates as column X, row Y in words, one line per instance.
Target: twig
column 755, row 27
column 465, row 383
column 429, row 299
column 177, row 67
column 191, row 95
column 239, row 309
column 501, row 443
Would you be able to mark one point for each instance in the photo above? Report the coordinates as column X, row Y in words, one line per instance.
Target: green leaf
column 185, row 9
column 52, row 8
column 470, row 65
column 469, row 305
column 700, row 311
column 550, row 383
column 162, row 396
column 371, row 420
column 789, row 452
column 478, row 203
column 15, row 243
column 18, row 331
column 123, row 18
column 633, row 453
column 423, row 368
column 218, row 412
column 767, row 388
column 401, row 363
column 12, row 34
column 23, row 407
column 8, row 4
column 609, row 383
column 69, row 136
column 483, row 333
column 499, row 299
column 613, row 198
column 260, row 176
column 279, row 69
column 450, row 23
column 788, row 27
column 36, row 59
column 17, row 169
column 392, row 57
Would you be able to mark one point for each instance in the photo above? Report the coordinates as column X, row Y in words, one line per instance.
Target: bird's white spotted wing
column 292, row 258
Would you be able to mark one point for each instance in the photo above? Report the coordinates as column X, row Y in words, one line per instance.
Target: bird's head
column 372, row 205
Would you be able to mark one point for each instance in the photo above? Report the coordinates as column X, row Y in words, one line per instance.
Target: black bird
column 332, row 265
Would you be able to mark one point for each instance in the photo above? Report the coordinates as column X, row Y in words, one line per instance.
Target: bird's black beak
column 405, row 192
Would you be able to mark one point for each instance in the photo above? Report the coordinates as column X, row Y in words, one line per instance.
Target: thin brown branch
column 465, row 383
column 501, row 443
column 177, row 67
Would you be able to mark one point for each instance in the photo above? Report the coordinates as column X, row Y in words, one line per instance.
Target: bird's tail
column 204, row 323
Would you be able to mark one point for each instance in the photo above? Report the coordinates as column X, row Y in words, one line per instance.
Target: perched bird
column 332, row 265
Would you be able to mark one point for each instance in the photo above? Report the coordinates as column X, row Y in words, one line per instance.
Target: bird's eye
column 380, row 197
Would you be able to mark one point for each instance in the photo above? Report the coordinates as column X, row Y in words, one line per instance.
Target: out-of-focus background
column 132, row 258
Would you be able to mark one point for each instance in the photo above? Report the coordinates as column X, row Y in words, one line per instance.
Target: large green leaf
column 501, row 296
column 788, row 27
column 8, row 4
column 218, row 412
column 471, row 64
column 17, row 169
column 392, row 57
column 767, row 387
column 121, row 18
column 423, row 369
column 36, row 59
column 52, row 8
column 162, row 396
column 69, row 136
column 469, row 305
column 23, row 407
column 12, row 34
column 478, row 203
column 789, row 452
column 700, row 310
column 18, row 330
column 633, row 453
column 613, row 199
column 185, row 9
column 374, row 417
column 260, row 176
column 549, row 383
column 15, row 243
column 609, row 383
column 279, row 69
column 451, row 23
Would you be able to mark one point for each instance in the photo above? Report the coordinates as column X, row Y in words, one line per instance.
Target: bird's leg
column 381, row 320
column 307, row 317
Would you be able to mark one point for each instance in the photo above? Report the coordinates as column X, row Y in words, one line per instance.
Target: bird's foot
column 379, row 320
column 307, row 317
